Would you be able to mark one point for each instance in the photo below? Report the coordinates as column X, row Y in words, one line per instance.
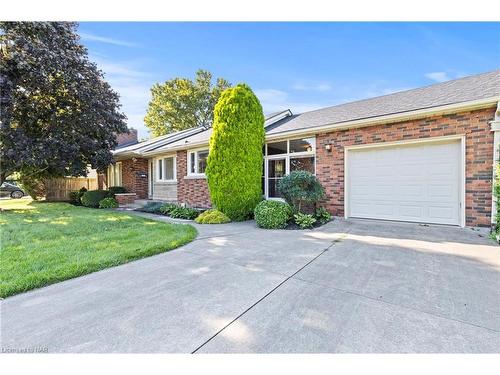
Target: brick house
column 421, row 155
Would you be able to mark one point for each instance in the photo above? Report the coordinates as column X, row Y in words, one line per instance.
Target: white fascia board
column 277, row 117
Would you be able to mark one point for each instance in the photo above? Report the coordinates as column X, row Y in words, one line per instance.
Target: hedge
column 92, row 198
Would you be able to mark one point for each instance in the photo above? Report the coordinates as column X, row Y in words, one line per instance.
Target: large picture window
column 283, row 157
column 197, row 162
column 165, row 169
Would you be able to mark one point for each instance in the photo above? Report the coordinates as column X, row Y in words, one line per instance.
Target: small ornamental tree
column 301, row 187
column 234, row 166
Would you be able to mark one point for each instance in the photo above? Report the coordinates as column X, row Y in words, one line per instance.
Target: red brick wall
column 127, row 138
column 131, row 176
column 192, row 191
column 124, row 199
column 479, row 156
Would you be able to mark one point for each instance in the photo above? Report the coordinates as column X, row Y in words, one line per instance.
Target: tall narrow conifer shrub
column 234, row 166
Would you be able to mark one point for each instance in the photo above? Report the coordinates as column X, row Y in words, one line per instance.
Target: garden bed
column 294, row 226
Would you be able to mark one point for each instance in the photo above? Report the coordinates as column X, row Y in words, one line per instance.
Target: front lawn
column 43, row 243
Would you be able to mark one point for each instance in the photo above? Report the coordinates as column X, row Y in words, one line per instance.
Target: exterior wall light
column 328, row 147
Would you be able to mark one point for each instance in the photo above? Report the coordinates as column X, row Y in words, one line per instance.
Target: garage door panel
column 410, row 170
column 442, row 213
column 446, row 192
column 413, row 190
column 419, row 182
column 411, row 211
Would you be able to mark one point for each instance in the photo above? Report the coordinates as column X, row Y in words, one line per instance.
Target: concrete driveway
column 351, row 286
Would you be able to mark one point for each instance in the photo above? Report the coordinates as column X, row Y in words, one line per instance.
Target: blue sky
column 301, row 66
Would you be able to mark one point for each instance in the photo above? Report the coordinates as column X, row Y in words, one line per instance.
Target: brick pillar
column 135, row 176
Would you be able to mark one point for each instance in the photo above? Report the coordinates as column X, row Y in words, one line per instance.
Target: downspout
column 495, row 128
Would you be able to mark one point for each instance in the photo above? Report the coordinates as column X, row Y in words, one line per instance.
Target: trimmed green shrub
column 234, row 166
column 92, row 198
column 117, row 190
column 166, row 208
column 300, row 187
column 184, row 213
column 152, row 207
column 75, row 196
column 108, row 203
column 272, row 214
column 212, row 217
column 304, row 221
column 322, row 215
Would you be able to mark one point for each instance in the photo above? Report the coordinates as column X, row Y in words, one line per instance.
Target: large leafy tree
column 234, row 166
column 181, row 103
column 58, row 114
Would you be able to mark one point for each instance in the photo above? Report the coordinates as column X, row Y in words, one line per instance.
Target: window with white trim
column 283, row 157
column 115, row 174
column 197, row 162
column 165, row 169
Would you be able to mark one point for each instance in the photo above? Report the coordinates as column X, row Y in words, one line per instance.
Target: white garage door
column 418, row 182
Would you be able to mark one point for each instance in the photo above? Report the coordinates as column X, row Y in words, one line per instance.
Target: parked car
column 8, row 189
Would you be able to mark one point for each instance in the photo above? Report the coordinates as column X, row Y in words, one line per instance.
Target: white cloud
column 102, row 39
column 274, row 100
column 118, row 69
column 133, row 85
column 321, row 86
column 438, row 76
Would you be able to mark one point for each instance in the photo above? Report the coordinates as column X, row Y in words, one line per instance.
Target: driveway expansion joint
column 266, row 295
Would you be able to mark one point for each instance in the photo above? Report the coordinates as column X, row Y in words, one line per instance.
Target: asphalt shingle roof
column 480, row 86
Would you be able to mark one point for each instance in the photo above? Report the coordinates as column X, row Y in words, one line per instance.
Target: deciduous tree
column 58, row 115
column 181, row 103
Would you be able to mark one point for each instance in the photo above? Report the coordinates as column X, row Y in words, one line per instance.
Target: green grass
column 43, row 243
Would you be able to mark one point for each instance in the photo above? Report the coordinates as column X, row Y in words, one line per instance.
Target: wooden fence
column 58, row 189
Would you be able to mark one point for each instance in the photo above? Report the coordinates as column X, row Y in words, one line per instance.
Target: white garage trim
column 461, row 138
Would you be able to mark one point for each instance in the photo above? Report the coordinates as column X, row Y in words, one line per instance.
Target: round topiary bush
column 212, row 217
column 108, row 203
column 272, row 214
column 301, row 187
column 234, row 165
column 92, row 198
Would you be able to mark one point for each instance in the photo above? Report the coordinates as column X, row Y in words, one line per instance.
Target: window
column 197, row 162
column 302, row 145
column 165, row 169
column 115, row 174
column 277, row 148
column 284, row 157
column 302, row 164
column 160, row 169
column 276, row 171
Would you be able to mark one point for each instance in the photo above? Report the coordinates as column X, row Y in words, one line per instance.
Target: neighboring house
column 422, row 155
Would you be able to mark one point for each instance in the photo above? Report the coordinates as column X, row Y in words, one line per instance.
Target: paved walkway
column 350, row 286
